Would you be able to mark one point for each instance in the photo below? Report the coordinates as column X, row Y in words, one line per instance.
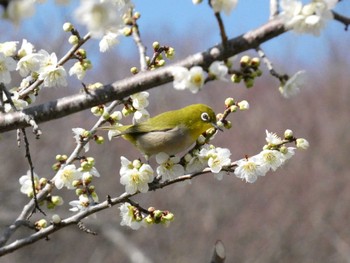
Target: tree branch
column 76, row 218
column 140, row 82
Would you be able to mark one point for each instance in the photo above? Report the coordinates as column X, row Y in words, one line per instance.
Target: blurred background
column 300, row 213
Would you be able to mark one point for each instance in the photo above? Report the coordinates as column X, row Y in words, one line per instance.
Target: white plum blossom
column 26, row 183
column 66, row 176
column 114, row 133
column 192, row 79
column 140, row 100
column 223, row 5
column 25, row 49
column 302, row 143
column 219, row 70
column 128, row 217
column 80, row 205
column 180, row 75
column 102, row 16
column 293, row 85
column 271, row 159
column 7, row 64
column 194, row 162
column 140, row 116
column 310, row 18
column 216, row 158
column 29, row 63
column 272, row 138
column 287, row 153
column 108, row 41
column 78, row 70
column 19, row 103
column 135, row 177
column 18, row 10
column 9, row 48
column 169, row 167
column 249, row 169
column 243, row 105
column 50, row 72
column 196, row 79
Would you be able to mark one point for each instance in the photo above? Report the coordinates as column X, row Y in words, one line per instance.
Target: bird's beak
column 215, row 125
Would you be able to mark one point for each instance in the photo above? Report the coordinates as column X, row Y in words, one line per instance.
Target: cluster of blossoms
column 134, row 218
column 310, row 18
column 26, row 183
column 105, row 19
column 33, row 66
column 274, row 154
column 194, row 78
column 79, row 179
column 136, row 175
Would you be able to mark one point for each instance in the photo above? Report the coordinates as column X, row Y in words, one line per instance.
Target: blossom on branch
column 310, row 18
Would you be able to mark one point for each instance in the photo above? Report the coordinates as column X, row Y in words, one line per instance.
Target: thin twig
column 223, row 35
column 31, row 168
column 140, row 46
column 342, row 19
column 269, row 65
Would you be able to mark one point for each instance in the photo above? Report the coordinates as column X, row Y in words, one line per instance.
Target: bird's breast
column 171, row 141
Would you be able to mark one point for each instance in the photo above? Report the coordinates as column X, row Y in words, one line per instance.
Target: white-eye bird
column 170, row 132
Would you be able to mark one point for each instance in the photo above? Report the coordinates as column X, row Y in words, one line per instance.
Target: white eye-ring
column 205, row 116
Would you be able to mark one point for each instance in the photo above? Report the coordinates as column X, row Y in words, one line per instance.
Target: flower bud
column 156, row 45
column 99, row 139
column 236, row 78
column 79, row 192
column 134, row 70
column 116, row 116
column 40, row 224
column 170, row 53
column 288, row 134
column 137, row 15
column 67, row 27
column 302, row 143
column 56, row 219
column 249, row 82
column 168, row 216
column 137, row 164
column 229, row 102
column 233, row 108
column 127, row 31
column 245, row 61
column 73, row 40
column 228, row 124
column 255, row 62
column 81, row 53
column 56, row 200
column 243, row 105
column 149, row 220
column 160, row 63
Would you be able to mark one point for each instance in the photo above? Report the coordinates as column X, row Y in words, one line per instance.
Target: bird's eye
column 205, row 116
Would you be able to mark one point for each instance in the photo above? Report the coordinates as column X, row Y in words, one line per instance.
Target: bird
column 170, row 132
